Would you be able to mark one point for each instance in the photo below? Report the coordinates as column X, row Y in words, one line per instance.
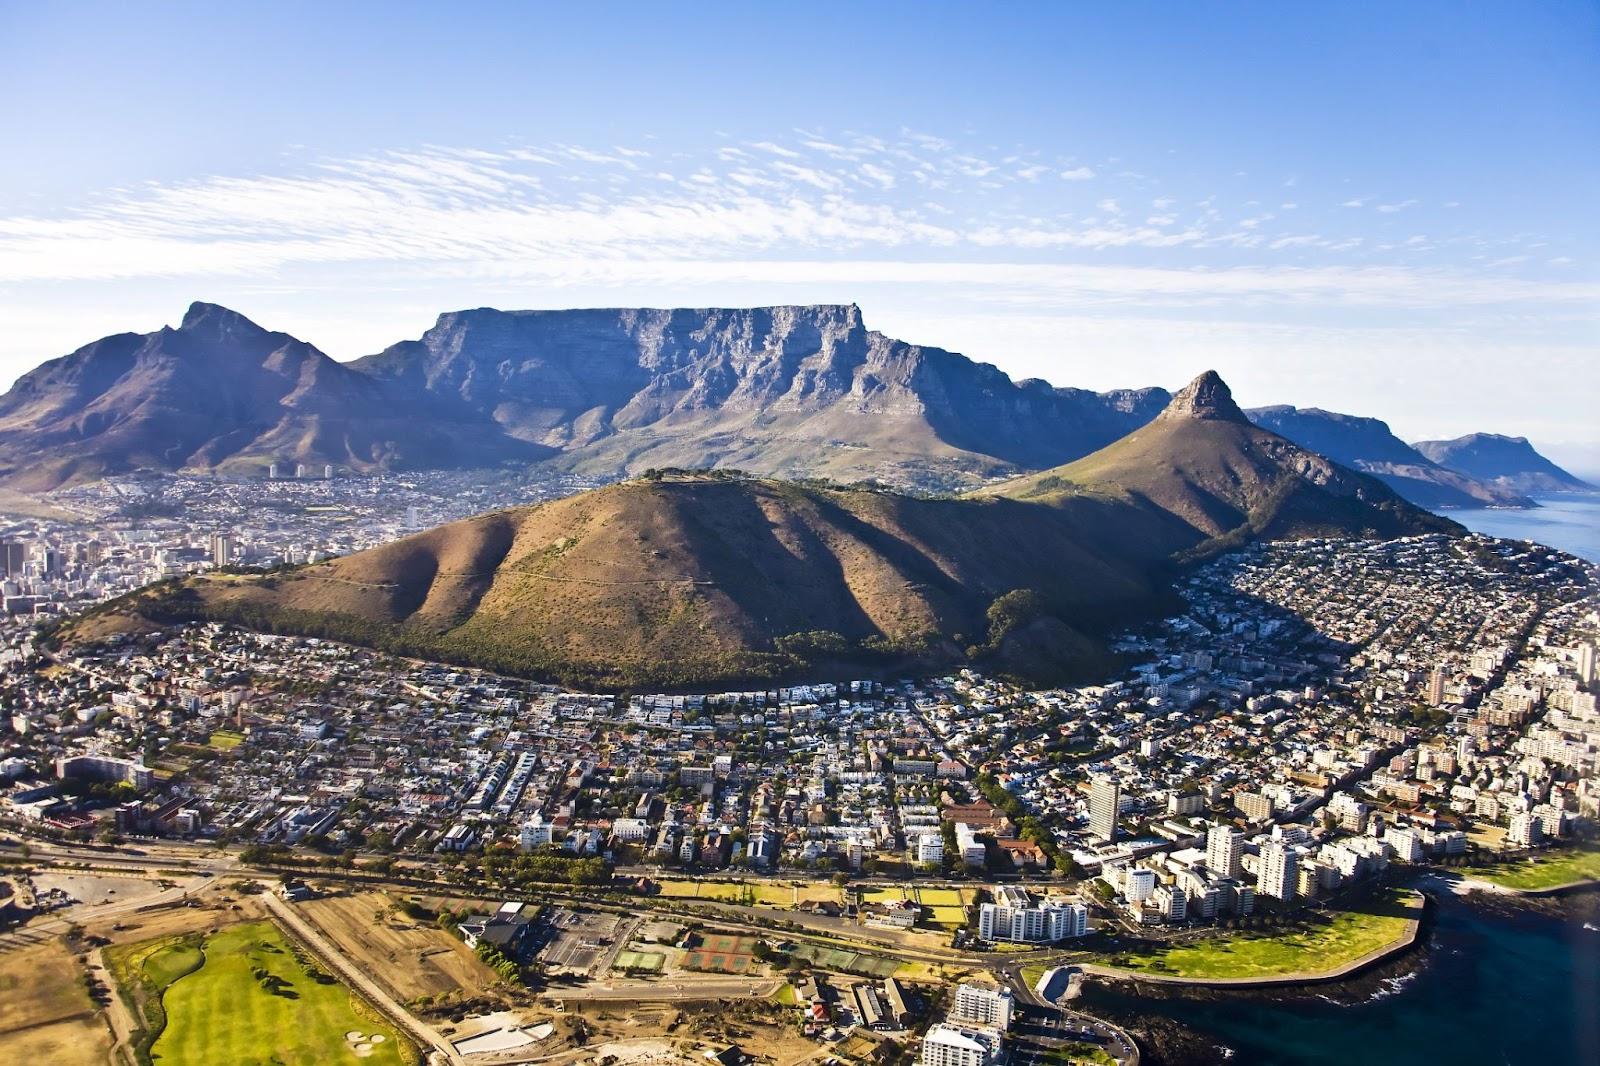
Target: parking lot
column 575, row 941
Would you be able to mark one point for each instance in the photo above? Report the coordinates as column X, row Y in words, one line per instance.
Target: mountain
column 792, row 391
column 1202, row 464
column 1508, row 462
column 219, row 392
column 1366, row 444
column 724, row 579
column 789, row 391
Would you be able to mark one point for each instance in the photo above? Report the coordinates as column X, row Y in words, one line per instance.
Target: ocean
column 1571, row 523
column 1498, row 984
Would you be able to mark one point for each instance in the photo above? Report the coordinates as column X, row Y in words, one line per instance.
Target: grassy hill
column 719, row 579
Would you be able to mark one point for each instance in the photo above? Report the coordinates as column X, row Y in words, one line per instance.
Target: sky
column 1380, row 209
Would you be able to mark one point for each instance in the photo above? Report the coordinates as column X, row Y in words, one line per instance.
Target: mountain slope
column 1204, row 465
column 722, row 579
column 791, row 391
column 218, row 392
column 1367, row 445
column 1508, row 462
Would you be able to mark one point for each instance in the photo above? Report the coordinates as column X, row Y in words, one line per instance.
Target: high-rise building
column 979, row 1005
column 1435, row 693
column 301, row 470
column 1225, row 851
column 15, row 556
column 1586, row 663
column 1105, row 804
column 327, row 472
column 1277, row 873
column 274, row 471
column 224, row 549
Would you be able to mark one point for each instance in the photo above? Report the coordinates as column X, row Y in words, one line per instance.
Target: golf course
column 243, row 995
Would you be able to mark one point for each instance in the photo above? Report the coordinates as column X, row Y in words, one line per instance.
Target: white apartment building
column 1277, row 874
column 977, row 1005
column 959, row 1045
column 1225, row 851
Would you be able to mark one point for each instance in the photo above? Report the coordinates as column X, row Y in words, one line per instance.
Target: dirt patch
column 411, row 958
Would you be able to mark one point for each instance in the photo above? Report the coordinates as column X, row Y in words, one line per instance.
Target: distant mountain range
column 692, row 580
column 793, row 392
column 1366, row 444
column 1507, row 462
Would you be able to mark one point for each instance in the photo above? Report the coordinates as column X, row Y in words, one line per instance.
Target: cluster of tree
column 546, row 866
column 497, row 961
column 1029, row 826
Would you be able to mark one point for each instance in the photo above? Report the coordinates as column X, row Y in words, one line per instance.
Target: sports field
column 1551, row 870
column 722, row 953
column 842, row 961
column 226, row 739
column 639, row 961
column 780, row 894
column 1315, row 949
column 242, row 995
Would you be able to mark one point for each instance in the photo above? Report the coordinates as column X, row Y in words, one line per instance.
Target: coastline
column 1186, row 1024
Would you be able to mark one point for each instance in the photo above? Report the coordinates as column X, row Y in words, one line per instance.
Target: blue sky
column 1384, row 209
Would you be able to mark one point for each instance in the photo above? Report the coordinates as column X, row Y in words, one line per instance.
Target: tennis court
column 639, row 961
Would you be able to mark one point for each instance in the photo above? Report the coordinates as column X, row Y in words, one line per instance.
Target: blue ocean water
column 1571, row 523
column 1499, row 987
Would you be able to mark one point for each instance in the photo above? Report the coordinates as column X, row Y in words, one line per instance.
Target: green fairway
column 252, row 1001
column 1548, row 871
column 1314, row 949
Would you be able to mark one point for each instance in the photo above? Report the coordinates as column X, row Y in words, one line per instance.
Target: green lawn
column 223, row 1011
column 1079, row 1052
column 1309, row 949
column 1558, row 868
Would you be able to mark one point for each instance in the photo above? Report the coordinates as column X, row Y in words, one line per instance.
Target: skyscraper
column 15, row 556
column 224, row 550
column 1105, row 803
column 1225, row 851
column 1586, row 663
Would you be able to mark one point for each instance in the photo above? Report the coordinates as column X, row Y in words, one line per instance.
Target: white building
column 1014, row 917
column 535, row 833
column 978, row 1005
column 1277, row 874
column 959, row 1045
column 1105, row 804
column 1225, row 851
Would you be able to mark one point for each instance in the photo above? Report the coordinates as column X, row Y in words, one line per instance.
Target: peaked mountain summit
column 219, row 392
column 1216, row 476
column 1367, row 444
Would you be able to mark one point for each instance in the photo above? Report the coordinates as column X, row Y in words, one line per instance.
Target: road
column 1043, row 1026
column 668, row 989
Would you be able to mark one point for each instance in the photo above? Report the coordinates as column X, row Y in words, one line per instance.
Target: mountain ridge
column 1368, row 445
column 1511, row 462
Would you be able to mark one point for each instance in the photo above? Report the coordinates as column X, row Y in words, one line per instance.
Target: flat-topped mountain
column 1509, row 462
column 1368, row 445
column 797, row 391
column 713, row 579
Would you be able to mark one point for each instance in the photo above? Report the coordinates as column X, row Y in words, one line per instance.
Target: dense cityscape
column 1323, row 715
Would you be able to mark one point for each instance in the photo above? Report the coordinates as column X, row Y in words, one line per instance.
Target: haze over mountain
column 1510, row 462
column 1368, row 445
column 691, row 580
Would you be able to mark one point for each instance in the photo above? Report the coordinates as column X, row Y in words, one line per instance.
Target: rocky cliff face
column 793, row 390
